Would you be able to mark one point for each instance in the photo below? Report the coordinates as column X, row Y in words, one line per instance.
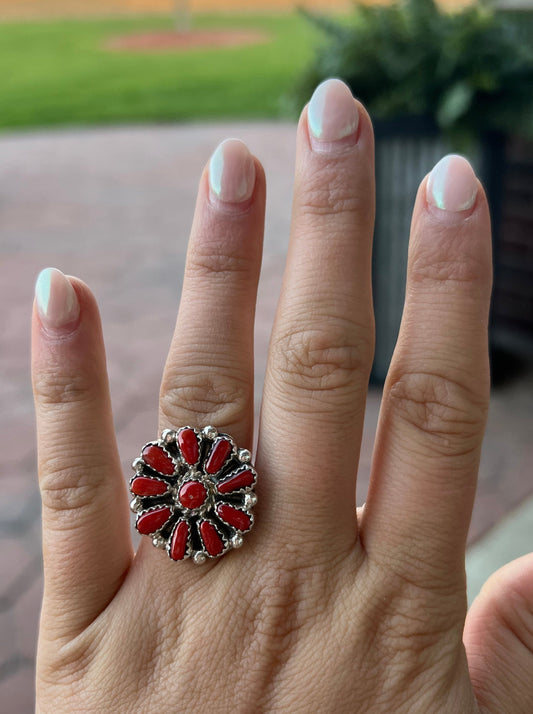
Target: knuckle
column 416, row 617
column 53, row 387
column 320, row 359
column 408, row 577
column 447, row 412
column 285, row 606
column 215, row 264
column 204, row 396
column 331, row 195
column 276, row 616
column 433, row 266
column 67, row 488
column 68, row 663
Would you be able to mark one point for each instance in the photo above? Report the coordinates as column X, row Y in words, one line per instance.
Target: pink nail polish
column 56, row 299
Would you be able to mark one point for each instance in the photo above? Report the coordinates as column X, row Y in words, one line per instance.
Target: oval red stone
column 178, row 544
column 234, row 517
column 188, row 443
column 192, row 494
column 158, row 459
column 219, row 453
column 243, row 479
column 212, row 541
column 152, row 521
column 144, row 486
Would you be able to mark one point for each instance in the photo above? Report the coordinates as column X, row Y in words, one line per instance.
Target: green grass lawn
column 59, row 72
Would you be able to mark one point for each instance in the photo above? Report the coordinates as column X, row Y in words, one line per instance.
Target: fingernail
column 56, row 299
column 452, row 184
column 232, row 172
column 332, row 114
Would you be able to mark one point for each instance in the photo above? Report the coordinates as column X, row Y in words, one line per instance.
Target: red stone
column 178, row 544
column 156, row 457
column 192, row 494
column 212, row 540
column 144, row 486
column 234, row 517
column 242, row 479
column 188, row 443
column 219, row 453
column 152, row 521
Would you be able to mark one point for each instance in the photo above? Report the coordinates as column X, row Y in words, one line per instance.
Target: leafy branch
column 470, row 71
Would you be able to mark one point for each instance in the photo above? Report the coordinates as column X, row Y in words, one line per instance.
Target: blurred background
column 108, row 112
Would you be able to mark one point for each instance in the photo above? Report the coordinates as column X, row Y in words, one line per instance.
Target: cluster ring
column 193, row 493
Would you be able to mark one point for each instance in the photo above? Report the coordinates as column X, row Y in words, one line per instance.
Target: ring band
column 193, row 493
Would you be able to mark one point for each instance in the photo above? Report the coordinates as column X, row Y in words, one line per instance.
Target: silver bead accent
column 250, row 500
column 210, row 432
column 199, row 557
column 244, row 456
column 236, row 541
column 168, row 436
column 135, row 505
column 137, row 465
column 158, row 541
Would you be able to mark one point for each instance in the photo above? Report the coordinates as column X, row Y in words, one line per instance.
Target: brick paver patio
column 114, row 207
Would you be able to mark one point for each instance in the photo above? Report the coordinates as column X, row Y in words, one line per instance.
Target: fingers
column 498, row 639
column 86, row 542
column 208, row 376
column 436, row 395
column 322, row 341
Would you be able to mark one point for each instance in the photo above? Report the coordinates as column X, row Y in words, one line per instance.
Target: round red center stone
column 192, row 494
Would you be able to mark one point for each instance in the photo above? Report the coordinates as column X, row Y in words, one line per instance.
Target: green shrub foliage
column 471, row 71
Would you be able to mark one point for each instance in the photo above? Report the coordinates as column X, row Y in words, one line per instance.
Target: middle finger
column 322, row 341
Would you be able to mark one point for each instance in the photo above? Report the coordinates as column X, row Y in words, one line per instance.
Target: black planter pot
column 407, row 149
column 512, row 299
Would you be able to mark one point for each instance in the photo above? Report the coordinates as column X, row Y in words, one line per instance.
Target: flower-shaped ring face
column 193, row 493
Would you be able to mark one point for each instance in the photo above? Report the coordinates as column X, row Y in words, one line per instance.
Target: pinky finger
column 86, row 542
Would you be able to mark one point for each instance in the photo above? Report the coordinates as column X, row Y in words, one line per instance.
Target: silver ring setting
column 193, row 493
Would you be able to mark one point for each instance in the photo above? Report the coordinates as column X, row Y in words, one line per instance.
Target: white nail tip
column 332, row 113
column 232, row 171
column 56, row 299
column 452, row 184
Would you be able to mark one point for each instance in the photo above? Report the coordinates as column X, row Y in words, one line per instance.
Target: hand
column 324, row 609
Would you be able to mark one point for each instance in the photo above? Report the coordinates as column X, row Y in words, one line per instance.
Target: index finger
column 84, row 497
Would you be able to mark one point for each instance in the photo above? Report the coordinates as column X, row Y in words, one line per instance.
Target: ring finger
column 208, row 376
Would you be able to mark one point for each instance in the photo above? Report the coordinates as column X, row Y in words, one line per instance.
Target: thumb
column 498, row 638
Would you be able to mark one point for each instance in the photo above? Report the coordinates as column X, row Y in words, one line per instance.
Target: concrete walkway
column 114, row 207
column 509, row 539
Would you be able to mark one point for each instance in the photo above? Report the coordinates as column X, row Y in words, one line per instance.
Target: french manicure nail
column 232, row 172
column 332, row 114
column 452, row 184
column 56, row 299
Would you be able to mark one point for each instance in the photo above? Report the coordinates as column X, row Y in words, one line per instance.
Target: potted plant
column 433, row 82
